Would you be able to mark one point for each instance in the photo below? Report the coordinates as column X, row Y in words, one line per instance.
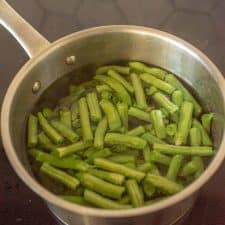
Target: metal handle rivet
column 36, row 87
column 70, row 60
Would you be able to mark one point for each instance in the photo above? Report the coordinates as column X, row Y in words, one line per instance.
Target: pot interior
column 104, row 46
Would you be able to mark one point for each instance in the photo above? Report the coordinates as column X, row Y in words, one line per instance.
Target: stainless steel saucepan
column 98, row 46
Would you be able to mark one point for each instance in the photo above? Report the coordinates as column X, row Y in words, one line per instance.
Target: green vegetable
column 103, row 87
column 174, row 167
column 100, row 133
column 177, row 97
column 137, row 131
column 45, row 142
column 123, row 112
column 158, row 123
column 102, row 153
column 151, row 139
column 65, row 117
column 171, row 129
column 139, row 114
column 149, row 189
column 138, row 91
column 47, row 113
column 119, row 69
column 195, row 137
column 206, row 121
column 122, row 158
column 32, row 130
column 159, row 158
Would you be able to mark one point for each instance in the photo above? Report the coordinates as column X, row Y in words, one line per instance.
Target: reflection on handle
column 23, row 32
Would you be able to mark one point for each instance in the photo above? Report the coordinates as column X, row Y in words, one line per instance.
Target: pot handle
column 30, row 39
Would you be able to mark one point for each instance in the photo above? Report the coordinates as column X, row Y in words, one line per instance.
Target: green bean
column 171, row 129
column 145, row 167
column 174, row 167
column 117, row 87
column 189, row 169
column 125, row 199
column 122, row 159
column 206, row 121
column 121, row 80
column 118, row 168
column 200, row 164
column 149, row 189
column 74, row 199
column 163, row 101
column 177, row 97
column 138, row 91
column 151, row 139
column 130, row 165
column 160, row 158
column 174, row 117
column 85, row 120
column 126, row 140
column 184, row 123
column 151, row 91
column 102, row 153
column 100, row 186
column 134, row 193
column 49, row 130
column 70, row 149
column 172, row 80
column 65, row 131
column 158, row 123
column 112, row 115
column 195, row 136
column 161, row 85
column 76, row 90
column 47, row 113
column 75, row 115
column 167, row 186
column 139, row 114
column 65, row 163
column 65, row 118
column 45, row 142
column 100, row 133
column 148, row 127
column 122, row 109
column 102, row 202
column 106, row 95
column 137, row 131
column 114, row 178
column 94, row 108
column 204, row 136
column 141, row 67
column 32, row 128
column 165, row 113
column 103, row 87
column 119, row 69
column 60, row 176
column 184, row 150
column 147, row 154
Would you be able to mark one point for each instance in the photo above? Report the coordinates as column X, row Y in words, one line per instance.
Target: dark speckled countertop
column 201, row 22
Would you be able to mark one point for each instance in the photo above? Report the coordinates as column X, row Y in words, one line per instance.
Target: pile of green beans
column 132, row 136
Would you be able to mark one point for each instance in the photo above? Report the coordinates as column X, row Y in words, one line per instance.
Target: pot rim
column 53, row 199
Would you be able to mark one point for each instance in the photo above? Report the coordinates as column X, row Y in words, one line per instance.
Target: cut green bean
column 141, row 67
column 94, row 108
column 151, row 139
column 177, row 98
column 145, row 167
column 100, row 186
column 138, row 91
column 102, row 153
column 70, row 149
column 100, row 133
column 172, row 80
column 184, row 123
column 114, row 178
column 160, row 158
column 174, row 167
column 151, row 91
column 117, row 87
column 134, row 193
column 189, row 169
column 119, row 69
column 130, row 165
column 206, row 140
column 49, row 130
column 126, row 140
column 84, row 120
column 103, row 87
column 75, row 115
column 195, row 137
column 60, row 176
column 137, row 131
column 123, row 112
column 164, row 113
column 122, row 158
column 118, row 168
column 112, row 115
column 206, row 121
column 158, row 123
column 47, row 113
column 65, row 117
column 163, row 101
column 125, row 200
column 102, row 202
column 74, row 199
column 65, row 131
column 106, row 95
column 171, row 129
column 32, row 130
column 147, row 154
column 184, row 150
column 65, row 163
column 139, row 114
column 164, row 184
column 121, row 80
column 45, row 142
column 148, row 189
column 200, row 165
column 161, row 85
